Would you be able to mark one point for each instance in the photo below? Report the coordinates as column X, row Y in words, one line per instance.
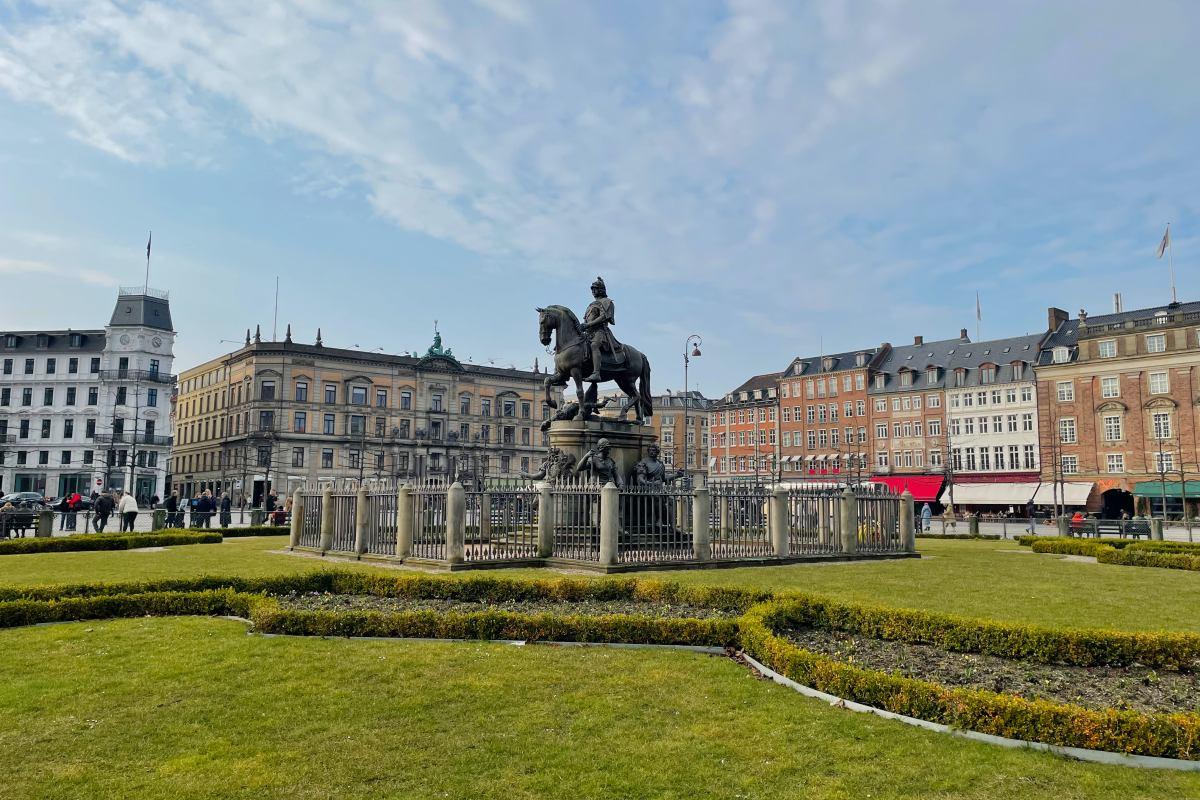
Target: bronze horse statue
column 573, row 360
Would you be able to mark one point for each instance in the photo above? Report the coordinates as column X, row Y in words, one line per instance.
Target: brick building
column 824, row 416
column 1118, row 407
column 743, row 428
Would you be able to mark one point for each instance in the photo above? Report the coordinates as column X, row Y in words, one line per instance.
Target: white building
column 992, row 417
column 81, row 410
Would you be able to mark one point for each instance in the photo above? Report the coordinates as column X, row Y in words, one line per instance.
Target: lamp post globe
column 693, row 342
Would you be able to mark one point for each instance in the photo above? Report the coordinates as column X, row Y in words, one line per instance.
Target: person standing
column 128, row 508
column 226, row 511
column 1030, row 511
column 172, row 506
column 103, row 508
column 926, row 516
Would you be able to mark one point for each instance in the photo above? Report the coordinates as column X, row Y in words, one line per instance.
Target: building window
column 1070, row 465
column 358, row 395
column 301, row 392
column 435, row 402
column 264, row 456
column 969, row 425
column 1164, row 462
column 1061, row 355
column 987, row 374
column 328, row 425
column 94, row 366
column 299, row 422
column 406, row 401
column 1110, row 386
column 266, row 390
column 970, row 464
column 330, row 393
column 47, row 397
column 354, row 457
column 933, row 401
column 297, row 456
column 327, row 458
column 358, row 425
column 1066, row 431
column 1156, row 343
column 1066, row 391
column 1112, row 428
column 1108, row 349
column 381, row 398
column 934, row 426
column 1116, row 462
column 93, row 396
column 1162, row 425
column 1159, row 383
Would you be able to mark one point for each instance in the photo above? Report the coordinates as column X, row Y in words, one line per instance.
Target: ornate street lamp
column 694, row 341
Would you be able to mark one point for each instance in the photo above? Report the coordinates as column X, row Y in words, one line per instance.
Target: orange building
column 744, row 431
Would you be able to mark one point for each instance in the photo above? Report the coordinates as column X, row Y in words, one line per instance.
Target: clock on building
column 124, row 338
column 156, row 341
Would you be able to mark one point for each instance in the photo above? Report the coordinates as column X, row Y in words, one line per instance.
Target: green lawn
column 972, row 578
column 195, row 708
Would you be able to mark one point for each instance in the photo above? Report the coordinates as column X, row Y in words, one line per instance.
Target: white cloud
column 25, row 267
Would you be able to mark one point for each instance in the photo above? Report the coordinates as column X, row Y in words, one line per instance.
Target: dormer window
column 860, row 359
column 906, row 378
column 76, row 340
column 960, row 377
column 880, row 381
column 10, row 340
column 1160, row 318
column 987, row 373
column 1018, row 368
column 43, row 341
column 828, row 364
column 1061, row 355
column 931, row 375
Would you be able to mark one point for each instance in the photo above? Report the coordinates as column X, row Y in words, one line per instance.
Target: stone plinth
column 629, row 441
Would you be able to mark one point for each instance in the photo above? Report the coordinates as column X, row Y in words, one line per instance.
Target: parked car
column 23, row 498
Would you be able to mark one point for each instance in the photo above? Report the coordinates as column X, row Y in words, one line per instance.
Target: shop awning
column 1156, row 488
column 993, row 494
column 924, row 488
column 1071, row 493
column 821, row 459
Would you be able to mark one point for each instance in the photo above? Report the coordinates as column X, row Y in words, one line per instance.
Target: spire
column 318, row 337
column 535, row 365
column 247, row 337
column 257, row 334
column 288, row 336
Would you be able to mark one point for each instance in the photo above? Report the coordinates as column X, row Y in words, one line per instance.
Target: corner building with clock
column 85, row 410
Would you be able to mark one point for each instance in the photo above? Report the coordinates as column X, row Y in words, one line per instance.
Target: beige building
column 276, row 414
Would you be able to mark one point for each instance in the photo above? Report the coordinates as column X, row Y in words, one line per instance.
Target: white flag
column 1166, row 241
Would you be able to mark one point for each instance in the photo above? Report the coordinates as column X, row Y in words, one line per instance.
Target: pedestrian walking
column 102, row 507
column 926, row 517
column 172, row 506
column 1030, row 511
column 128, row 508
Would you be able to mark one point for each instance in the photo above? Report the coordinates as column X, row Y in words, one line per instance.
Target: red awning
column 924, row 488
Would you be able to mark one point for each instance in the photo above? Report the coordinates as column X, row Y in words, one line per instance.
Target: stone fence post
column 545, row 548
column 483, row 532
column 362, row 521
column 701, row 532
column 1156, row 529
column 908, row 528
column 326, row 519
column 973, row 524
column 725, row 531
column 849, row 512
column 1064, row 525
column 45, row 524
column 825, row 511
column 297, row 519
column 779, row 521
column 456, row 523
column 610, row 523
column 404, row 522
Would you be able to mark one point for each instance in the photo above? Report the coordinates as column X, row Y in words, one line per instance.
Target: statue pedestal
column 629, row 441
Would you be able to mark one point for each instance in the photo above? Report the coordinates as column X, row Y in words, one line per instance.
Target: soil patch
column 1134, row 687
column 356, row 602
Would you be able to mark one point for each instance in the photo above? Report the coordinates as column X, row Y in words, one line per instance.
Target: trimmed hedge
column 1167, row 735
column 218, row 602
column 1135, row 557
column 249, row 530
column 104, row 541
column 1169, row 547
column 1072, row 546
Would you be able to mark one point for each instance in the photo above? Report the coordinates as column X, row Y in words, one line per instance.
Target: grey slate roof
column 758, row 386
column 1066, row 335
column 59, row 342
column 839, row 362
column 950, row 355
column 1142, row 313
column 151, row 312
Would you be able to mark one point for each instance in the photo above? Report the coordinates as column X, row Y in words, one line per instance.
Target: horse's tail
column 644, row 389
column 550, row 398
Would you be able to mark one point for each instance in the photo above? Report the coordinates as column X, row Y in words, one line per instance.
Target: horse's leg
column 585, row 411
column 629, row 387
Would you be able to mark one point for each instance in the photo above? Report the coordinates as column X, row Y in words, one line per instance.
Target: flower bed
column 1175, row 735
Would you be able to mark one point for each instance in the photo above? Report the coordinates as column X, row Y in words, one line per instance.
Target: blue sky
column 781, row 178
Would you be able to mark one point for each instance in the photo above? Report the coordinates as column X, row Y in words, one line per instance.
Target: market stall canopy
column 924, row 488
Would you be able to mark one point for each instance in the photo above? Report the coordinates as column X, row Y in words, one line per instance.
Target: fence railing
column 581, row 521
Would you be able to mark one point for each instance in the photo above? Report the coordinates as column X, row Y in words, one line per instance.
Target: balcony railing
column 131, row 438
column 150, row 375
column 7, row 438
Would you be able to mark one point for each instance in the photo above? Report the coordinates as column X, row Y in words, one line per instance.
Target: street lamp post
column 694, row 341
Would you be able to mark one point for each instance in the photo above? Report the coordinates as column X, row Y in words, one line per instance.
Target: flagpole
column 1171, row 261
column 146, row 286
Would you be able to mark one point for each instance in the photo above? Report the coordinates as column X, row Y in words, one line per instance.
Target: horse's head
column 546, row 324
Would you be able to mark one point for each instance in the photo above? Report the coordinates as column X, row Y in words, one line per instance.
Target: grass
column 991, row 579
column 194, row 708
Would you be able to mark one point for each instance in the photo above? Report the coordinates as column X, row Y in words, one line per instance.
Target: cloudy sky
column 781, row 178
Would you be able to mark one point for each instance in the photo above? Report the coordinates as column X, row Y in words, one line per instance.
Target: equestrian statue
column 587, row 352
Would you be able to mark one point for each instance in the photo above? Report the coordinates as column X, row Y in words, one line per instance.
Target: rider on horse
column 599, row 315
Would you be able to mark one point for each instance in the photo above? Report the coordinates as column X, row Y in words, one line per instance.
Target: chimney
column 918, row 340
column 1117, row 309
column 1056, row 317
column 962, row 334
